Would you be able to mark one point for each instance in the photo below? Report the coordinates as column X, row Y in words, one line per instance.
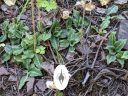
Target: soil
column 104, row 80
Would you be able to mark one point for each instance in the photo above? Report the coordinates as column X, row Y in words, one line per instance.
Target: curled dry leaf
column 104, row 2
column 34, row 95
column 50, row 85
column 2, row 45
column 120, row 1
column 80, row 3
column 10, row 2
column 87, row 6
column 100, row 10
column 65, row 14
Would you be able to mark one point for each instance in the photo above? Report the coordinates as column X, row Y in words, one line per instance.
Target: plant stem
column 59, row 58
column 54, row 57
column 83, row 19
column 24, row 7
column 33, row 25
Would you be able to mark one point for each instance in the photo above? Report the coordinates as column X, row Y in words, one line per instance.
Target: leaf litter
column 87, row 56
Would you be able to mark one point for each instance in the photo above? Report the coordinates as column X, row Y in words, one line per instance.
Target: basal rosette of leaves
column 114, row 48
column 106, row 20
column 68, row 35
column 19, row 48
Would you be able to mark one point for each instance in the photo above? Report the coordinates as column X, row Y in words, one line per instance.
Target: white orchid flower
column 60, row 79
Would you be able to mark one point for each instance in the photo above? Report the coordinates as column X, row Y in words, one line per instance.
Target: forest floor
column 89, row 37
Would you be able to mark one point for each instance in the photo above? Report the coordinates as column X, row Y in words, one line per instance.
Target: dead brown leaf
column 12, row 78
column 70, row 56
column 120, row 1
column 65, row 14
column 123, row 31
column 30, row 84
column 3, row 71
column 40, row 85
column 89, row 6
column 48, row 67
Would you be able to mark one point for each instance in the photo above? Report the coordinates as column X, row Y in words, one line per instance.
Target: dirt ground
column 91, row 75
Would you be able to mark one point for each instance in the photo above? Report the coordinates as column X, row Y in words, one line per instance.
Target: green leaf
column 37, row 60
column 22, row 81
column 26, row 62
column 8, row 49
column 69, row 23
column 3, row 38
column 111, row 49
column 78, row 20
column 71, row 49
column 6, row 57
column 64, row 43
column 125, row 55
column 40, row 26
column 40, row 49
column 34, row 71
column 17, row 49
column 27, row 41
column 73, row 37
column 121, row 61
column 55, row 26
column 64, row 33
column 28, row 54
column 105, row 23
column 119, row 54
column 18, row 58
column 59, row 93
column 118, row 17
column 111, row 10
column 26, row 28
column 46, row 36
column 112, row 38
column 120, row 44
column 110, row 58
column 48, row 5
column 55, row 42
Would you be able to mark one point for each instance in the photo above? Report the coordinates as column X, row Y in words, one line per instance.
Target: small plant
column 68, row 35
column 13, row 30
column 105, row 21
column 78, row 20
column 114, row 48
column 48, row 5
column 59, row 93
column 64, row 38
column 19, row 48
